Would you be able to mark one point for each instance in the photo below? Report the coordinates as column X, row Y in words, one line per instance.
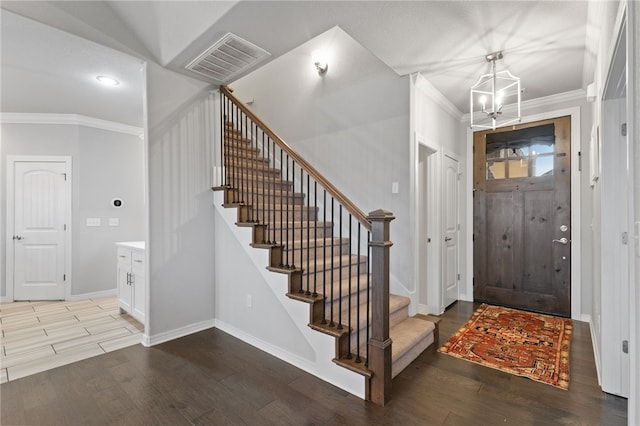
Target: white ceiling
column 45, row 70
column 549, row 44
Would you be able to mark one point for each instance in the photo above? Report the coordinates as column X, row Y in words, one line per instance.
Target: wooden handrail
column 322, row 181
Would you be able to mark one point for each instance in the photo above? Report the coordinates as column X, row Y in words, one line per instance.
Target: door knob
column 562, row 240
column 447, row 239
column 17, row 237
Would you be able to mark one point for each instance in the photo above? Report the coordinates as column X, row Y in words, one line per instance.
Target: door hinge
column 458, row 277
column 625, row 238
column 623, row 129
column 64, row 277
column 64, row 227
column 625, row 346
column 579, row 161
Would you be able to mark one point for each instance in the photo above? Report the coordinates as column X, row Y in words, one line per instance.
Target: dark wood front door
column 521, row 216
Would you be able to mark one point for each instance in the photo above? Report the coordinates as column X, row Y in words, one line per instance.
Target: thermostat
column 116, row 202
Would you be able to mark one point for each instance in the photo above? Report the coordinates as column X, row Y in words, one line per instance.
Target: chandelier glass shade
column 491, row 93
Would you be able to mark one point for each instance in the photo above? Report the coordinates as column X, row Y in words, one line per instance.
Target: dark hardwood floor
column 211, row 378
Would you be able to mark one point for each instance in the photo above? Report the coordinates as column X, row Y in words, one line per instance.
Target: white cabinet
column 132, row 283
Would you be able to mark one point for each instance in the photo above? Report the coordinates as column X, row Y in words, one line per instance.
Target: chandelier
column 491, row 93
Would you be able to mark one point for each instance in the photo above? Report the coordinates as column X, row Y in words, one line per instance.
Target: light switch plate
column 93, row 221
column 395, row 187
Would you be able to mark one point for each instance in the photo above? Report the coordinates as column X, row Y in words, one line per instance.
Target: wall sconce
column 320, row 61
column 322, row 67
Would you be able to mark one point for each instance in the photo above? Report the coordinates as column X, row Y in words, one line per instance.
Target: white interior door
column 450, row 231
column 40, row 211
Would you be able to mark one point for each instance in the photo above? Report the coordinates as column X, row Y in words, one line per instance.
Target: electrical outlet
column 93, row 221
column 114, row 221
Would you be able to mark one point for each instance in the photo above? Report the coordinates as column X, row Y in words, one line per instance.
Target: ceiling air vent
column 227, row 58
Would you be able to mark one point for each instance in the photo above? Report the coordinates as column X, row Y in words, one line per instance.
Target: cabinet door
column 124, row 280
column 139, row 286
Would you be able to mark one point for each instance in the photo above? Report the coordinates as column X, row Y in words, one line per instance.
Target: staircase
column 335, row 257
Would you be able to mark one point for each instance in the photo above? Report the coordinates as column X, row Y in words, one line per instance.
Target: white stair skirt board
column 323, row 345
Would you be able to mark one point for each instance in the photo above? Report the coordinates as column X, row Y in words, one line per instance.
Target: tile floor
column 38, row 336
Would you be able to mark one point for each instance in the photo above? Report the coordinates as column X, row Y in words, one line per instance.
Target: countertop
column 139, row 245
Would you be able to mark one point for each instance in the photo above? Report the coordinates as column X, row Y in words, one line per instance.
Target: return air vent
column 227, row 58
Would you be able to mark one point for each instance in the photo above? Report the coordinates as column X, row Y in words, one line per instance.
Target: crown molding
column 578, row 95
column 435, row 95
column 69, row 119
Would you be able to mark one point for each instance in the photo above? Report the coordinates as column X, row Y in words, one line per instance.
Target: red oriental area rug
column 517, row 342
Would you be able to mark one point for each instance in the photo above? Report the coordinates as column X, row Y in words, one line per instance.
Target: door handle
column 17, row 237
column 562, row 240
column 447, row 239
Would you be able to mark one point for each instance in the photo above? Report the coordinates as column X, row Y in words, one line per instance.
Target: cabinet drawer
column 124, row 256
column 137, row 258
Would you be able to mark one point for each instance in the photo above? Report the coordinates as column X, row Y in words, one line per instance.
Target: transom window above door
column 520, row 153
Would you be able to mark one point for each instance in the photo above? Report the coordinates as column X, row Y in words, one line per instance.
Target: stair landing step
column 410, row 338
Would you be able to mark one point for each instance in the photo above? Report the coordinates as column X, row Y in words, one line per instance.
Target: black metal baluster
column 331, row 324
column 281, row 212
column 324, row 256
column 223, row 124
column 315, row 237
column 291, row 205
column 307, row 197
column 233, row 153
column 271, row 217
column 286, row 207
column 254, row 182
column 366, row 363
column 274, row 192
column 339, row 270
column 249, row 170
column 265, row 231
column 242, row 154
column 349, row 294
column 358, row 359
column 302, row 210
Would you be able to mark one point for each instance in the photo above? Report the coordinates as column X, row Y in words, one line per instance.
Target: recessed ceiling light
column 107, row 81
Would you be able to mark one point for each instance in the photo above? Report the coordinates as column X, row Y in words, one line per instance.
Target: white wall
column 106, row 164
column 181, row 227
column 609, row 16
column 435, row 123
column 633, row 28
column 352, row 124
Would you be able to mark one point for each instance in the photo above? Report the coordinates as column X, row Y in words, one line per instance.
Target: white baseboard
column 586, row 318
column 267, row 347
column 95, row 295
column 429, row 310
column 596, row 347
column 5, row 299
column 156, row 339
